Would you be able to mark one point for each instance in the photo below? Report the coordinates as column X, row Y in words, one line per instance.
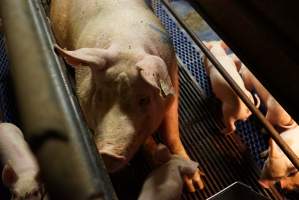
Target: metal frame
column 264, row 34
column 49, row 111
column 273, row 133
column 51, row 120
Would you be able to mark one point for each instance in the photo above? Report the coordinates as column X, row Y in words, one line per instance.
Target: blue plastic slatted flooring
column 6, row 104
column 191, row 56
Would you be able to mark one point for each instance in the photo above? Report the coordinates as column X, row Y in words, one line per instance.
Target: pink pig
column 20, row 172
column 126, row 75
column 233, row 108
column 276, row 115
column 277, row 166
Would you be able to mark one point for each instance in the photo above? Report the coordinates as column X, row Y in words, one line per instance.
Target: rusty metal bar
column 273, row 133
column 48, row 109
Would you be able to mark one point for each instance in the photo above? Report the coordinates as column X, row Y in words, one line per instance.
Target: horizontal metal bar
column 49, row 111
column 273, row 133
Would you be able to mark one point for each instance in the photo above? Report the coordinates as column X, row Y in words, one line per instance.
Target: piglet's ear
column 271, row 147
column 95, row 58
column 9, row 176
column 154, row 71
column 274, row 150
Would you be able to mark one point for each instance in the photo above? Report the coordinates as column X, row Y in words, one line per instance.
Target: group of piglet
column 277, row 167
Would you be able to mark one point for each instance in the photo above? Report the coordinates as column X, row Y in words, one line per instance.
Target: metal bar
column 264, row 34
column 273, row 133
column 48, row 109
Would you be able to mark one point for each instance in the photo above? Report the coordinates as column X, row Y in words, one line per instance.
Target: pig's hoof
column 194, row 182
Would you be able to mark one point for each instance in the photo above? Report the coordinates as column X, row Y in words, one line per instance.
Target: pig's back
column 13, row 148
column 97, row 23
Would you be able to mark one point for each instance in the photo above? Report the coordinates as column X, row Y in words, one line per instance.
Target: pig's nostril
column 113, row 162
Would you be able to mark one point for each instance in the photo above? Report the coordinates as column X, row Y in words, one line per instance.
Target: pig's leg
column 149, row 149
column 171, row 136
column 229, row 122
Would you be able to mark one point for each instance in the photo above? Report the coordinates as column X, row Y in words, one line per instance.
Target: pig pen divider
column 273, row 133
column 49, row 112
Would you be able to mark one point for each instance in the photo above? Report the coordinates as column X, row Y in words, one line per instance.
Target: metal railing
column 273, row 133
column 49, row 111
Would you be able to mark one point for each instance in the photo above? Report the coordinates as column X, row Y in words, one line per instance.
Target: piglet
column 233, row 108
column 166, row 182
column 276, row 115
column 20, row 172
column 277, row 166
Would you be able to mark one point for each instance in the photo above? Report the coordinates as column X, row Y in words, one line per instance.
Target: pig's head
column 124, row 98
column 24, row 186
column 290, row 183
column 277, row 165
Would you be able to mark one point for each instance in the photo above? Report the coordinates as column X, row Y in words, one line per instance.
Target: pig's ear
column 271, row 147
column 9, row 176
column 237, row 61
column 207, row 44
column 154, row 71
column 94, row 57
column 223, row 45
column 274, row 150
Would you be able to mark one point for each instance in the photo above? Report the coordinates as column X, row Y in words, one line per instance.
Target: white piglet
column 278, row 167
column 233, row 108
column 276, row 115
column 20, row 172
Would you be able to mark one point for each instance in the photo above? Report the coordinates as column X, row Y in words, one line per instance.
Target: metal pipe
column 264, row 34
column 48, row 109
column 273, row 133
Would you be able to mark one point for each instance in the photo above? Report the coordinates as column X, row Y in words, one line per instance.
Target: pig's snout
column 113, row 162
column 266, row 183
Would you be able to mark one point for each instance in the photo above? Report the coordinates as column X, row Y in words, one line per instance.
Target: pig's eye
column 144, row 101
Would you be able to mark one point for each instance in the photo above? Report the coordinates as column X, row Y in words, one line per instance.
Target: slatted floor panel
column 223, row 159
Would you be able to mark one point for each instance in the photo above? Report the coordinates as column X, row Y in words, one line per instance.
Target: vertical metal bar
column 48, row 109
column 273, row 133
